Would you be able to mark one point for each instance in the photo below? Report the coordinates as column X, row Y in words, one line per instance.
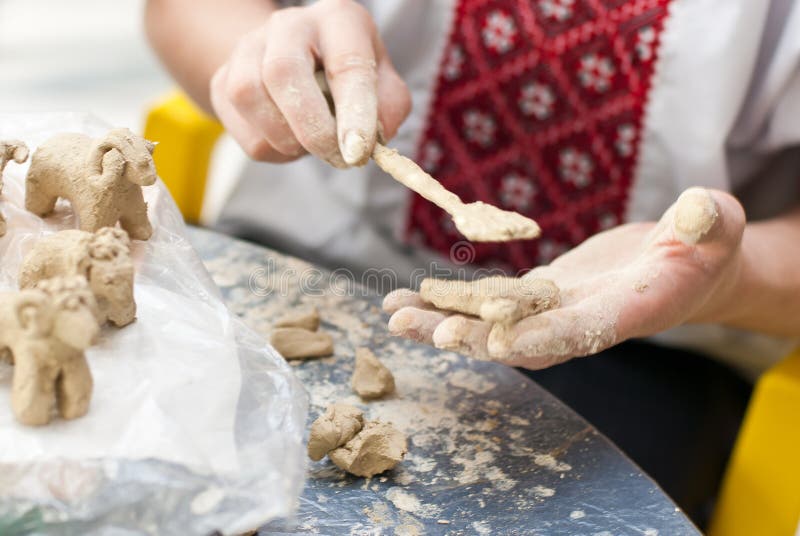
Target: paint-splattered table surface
column 490, row 452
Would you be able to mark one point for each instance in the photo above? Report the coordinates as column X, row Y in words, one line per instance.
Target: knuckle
column 241, row 90
column 350, row 64
column 286, row 15
column 279, row 69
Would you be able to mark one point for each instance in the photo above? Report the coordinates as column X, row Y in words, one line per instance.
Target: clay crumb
column 358, row 447
column 371, row 379
column 334, row 428
column 300, row 318
column 378, row 447
column 299, row 343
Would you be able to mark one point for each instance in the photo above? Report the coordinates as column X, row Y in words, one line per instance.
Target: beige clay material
column 102, row 258
column 494, row 299
column 358, row 447
column 334, row 428
column 371, row 378
column 500, row 300
column 477, row 221
column 695, row 215
column 101, row 178
column 299, row 343
column 301, row 318
column 378, row 447
column 10, row 150
column 46, row 330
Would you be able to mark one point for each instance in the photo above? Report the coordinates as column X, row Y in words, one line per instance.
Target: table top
column 490, row 452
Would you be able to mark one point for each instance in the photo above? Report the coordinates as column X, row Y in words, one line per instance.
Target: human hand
column 632, row 281
column 269, row 101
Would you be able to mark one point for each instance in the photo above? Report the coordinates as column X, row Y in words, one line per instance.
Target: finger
column 394, row 99
column 288, row 73
column 462, row 334
column 415, row 324
column 558, row 335
column 246, row 91
column 246, row 135
column 703, row 216
column 403, row 297
column 350, row 68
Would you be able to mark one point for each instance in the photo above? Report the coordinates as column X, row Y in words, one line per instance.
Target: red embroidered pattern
column 537, row 109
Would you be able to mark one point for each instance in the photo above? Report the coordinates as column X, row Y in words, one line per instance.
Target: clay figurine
column 46, row 329
column 101, row 178
column 102, row 258
column 10, row 150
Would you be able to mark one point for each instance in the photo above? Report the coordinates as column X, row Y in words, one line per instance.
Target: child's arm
column 254, row 64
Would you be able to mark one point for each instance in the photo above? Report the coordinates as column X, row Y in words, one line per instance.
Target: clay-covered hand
column 632, row 281
column 269, row 101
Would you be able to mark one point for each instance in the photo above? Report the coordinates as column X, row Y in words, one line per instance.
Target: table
column 490, row 452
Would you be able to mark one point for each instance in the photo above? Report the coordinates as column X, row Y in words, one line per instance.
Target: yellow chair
column 761, row 491
column 186, row 138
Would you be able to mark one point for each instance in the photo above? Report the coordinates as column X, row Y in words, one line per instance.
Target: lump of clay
column 494, row 299
column 302, row 318
column 378, row 447
column 102, row 258
column 371, row 379
column 334, row 428
column 10, row 150
column 299, row 343
column 101, row 178
column 46, row 330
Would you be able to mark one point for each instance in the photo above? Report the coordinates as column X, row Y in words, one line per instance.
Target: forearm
column 766, row 296
column 194, row 37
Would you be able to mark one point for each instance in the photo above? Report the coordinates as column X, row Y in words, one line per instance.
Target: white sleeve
column 770, row 117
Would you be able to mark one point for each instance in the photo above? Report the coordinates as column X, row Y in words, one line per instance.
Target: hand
column 632, row 281
column 267, row 97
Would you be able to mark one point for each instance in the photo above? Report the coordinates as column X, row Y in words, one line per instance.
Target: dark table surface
column 490, row 452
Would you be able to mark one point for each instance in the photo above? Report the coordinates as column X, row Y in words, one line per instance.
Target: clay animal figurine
column 101, row 178
column 46, row 330
column 10, row 150
column 102, row 258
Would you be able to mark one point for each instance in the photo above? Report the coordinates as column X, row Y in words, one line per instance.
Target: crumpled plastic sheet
column 195, row 424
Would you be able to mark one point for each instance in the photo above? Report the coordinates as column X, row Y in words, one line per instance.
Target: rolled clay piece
column 302, row 318
column 299, row 343
column 334, row 428
column 378, row 447
column 371, row 379
column 494, row 299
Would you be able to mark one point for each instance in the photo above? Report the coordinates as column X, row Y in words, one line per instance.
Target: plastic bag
column 195, row 423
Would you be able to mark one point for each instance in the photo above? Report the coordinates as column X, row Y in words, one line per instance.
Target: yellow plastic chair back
column 186, row 138
column 761, row 492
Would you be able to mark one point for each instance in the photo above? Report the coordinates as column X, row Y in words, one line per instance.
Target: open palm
column 632, row 281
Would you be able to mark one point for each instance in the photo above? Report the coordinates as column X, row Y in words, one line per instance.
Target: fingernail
column 354, row 148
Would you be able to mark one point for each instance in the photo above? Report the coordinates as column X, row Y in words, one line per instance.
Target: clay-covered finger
column 246, row 135
column 556, row 336
column 416, row 324
column 350, row 68
column 394, row 98
column 403, row 297
column 288, row 70
column 247, row 92
column 462, row 334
